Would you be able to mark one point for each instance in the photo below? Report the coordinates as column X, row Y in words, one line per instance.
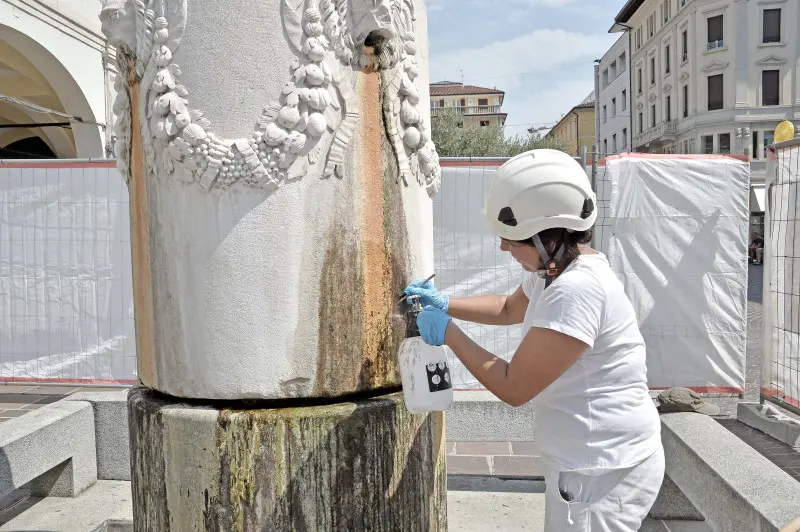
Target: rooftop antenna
column 462, row 76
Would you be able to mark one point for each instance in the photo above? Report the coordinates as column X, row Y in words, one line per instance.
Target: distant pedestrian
column 582, row 357
column 756, row 249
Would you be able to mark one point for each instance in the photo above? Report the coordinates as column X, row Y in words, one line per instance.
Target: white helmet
column 539, row 190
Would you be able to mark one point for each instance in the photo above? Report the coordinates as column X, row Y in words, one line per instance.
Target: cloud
column 514, row 61
column 544, row 72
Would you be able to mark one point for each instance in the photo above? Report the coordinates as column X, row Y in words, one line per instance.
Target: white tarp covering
column 675, row 231
column 780, row 372
column 66, row 299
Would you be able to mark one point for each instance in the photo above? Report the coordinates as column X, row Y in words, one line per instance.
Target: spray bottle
column 427, row 384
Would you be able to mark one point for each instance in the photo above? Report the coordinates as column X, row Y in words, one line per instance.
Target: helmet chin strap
column 552, row 266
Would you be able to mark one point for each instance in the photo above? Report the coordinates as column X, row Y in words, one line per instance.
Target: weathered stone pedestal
column 351, row 466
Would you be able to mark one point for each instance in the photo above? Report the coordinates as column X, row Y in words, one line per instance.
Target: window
column 624, row 99
column 724, row 142
column 652, row 115
column 484, row 123
column 768, row 137
column 685, row 101
column 666, row 59
column 715, row 96
column 668, row 109
column 770, row 87
column 613, row 107
column 605, row 146
column 638, row 41
column 715, row 32
column 463, row 102
column 772, row 26
column 641, row 123
column 651, row 25
column 685, row 45
column 639, row 81
column 624, row 137
column 614, row 143
column 483, row 102
column 612, row 70
column 652, row 71
column 683, row 3
column 623, row 61
column 707, row 142
column 605, row 115
column 756, row 152
column 666, row 10
column 605, row 78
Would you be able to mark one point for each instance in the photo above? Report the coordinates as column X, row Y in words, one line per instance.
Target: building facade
column 613, row 101
column 480, row 106
column 713, row 76
column 53, row 56
column 577, row 128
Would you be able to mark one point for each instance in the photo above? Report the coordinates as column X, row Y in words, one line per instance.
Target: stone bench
column 52, row 448
column 111, row 431
column 731, row 484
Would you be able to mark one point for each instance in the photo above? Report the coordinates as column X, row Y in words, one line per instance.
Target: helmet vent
column 506, row 217
column 588, row 208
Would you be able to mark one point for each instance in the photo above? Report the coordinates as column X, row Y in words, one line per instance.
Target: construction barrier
column 675, row 230
column 66, row 298
column 780, row 373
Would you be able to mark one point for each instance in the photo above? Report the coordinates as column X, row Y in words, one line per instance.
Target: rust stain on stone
column 365, row 270
column 140, row 243
column 376, row 302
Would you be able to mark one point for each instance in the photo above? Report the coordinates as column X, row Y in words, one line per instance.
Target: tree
column 454, row 138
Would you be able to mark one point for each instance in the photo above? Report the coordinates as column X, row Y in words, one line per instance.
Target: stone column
column 280, row 168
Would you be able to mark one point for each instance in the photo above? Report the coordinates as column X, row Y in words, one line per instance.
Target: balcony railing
column 474, row 110
column 663, row 132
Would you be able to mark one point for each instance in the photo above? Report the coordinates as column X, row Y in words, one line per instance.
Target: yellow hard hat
column 784, row 131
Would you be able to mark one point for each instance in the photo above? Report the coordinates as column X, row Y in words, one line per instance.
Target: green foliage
column 453, row 138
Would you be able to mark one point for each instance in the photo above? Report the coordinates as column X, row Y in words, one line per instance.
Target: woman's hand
column 430, row 296
column 432, row 324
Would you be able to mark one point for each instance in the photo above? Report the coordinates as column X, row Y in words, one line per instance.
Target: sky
column 540, row 52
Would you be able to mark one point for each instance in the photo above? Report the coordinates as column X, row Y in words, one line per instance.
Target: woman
column 582, row 356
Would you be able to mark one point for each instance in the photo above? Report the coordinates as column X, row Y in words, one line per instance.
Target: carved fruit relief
column 316, row 100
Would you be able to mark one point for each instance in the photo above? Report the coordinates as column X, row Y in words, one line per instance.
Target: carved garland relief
column 317, row 99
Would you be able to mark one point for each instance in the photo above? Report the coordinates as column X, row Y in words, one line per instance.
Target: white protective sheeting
column 468, row 260
column 780, row 372
column 675, row 228
column 66, row 298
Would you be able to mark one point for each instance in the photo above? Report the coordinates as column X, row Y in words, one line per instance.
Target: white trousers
column 612, row 502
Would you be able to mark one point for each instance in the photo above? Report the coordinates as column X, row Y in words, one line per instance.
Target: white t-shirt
column 598, row 415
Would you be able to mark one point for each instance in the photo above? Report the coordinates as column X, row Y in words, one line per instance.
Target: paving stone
column 13, row 413
column 52, row 390
column 517, row 466
column 524, row 448
column 468, row 465
column 481, row 448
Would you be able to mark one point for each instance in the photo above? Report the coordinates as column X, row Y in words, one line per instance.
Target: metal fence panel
column 66, row 297
column 781, row 348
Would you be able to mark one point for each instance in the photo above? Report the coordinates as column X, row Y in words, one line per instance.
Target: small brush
column 423, row 282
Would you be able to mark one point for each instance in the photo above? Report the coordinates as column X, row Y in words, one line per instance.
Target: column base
column 366, row 464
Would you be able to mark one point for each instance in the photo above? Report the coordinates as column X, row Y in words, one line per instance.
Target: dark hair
column 552, row 239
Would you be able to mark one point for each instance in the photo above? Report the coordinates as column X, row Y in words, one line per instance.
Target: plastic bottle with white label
column 427, row 384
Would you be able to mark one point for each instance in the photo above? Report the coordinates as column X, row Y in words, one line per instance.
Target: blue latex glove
column 430, row 296
column 432, row 324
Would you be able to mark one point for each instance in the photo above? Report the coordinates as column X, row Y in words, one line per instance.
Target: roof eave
column 627, row 11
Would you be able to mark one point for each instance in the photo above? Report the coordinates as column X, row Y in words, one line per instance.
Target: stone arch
column 34, row 74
